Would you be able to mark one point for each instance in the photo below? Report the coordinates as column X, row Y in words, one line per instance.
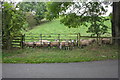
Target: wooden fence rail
column 18, row 41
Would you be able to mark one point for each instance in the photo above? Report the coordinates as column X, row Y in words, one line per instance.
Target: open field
column 54, row 27
column 55, row 55
column 47, row 55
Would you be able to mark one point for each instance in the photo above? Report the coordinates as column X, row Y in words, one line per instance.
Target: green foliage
column 38, row 7
column 13, row 21
column 54, row 9
column 97, row 26
column 30, row 18
column 86, row 12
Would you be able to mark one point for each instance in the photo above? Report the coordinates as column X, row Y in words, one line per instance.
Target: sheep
column 106, row 41
column 75, row 42
column 38, row 44
column 54, row 44
column 29, row 44
column 66, row 44
column 46, row 44
column 42, row 43
column 62, row 43
column 85, row 42
column 91, row 40
column 72, row 44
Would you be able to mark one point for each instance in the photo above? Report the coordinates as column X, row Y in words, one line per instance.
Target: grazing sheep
column 62, row 44
column 72, row 43
column 29, row 44
column 78, row 42
column 75, row 42
column 84, row 43
column 82, row 39
column 42, row 43
column 65, row 44
column 38, row 44
column 106, row 41
column 91, row 40
column 46, row 44
column 54, row 44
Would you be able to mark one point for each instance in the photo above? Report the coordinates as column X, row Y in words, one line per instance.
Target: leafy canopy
column 13, row 22
column 38, row 7
column 75, row 14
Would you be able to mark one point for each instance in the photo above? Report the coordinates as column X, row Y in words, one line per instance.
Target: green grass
column 46, row 55
column 54, row 27
column 38, row 55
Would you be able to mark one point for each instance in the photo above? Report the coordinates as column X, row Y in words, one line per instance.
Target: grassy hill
column 55, row 27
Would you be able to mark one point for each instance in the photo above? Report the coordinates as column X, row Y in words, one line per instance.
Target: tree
column 116, row 23
column 12, row 23
column 86, row 12
column 38, row 7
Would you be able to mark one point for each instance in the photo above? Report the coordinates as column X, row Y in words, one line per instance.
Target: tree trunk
column 112, row 21
column 116, row 23
column 8, row 41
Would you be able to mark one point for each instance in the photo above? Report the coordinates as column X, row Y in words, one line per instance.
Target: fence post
column 78, row 39
column 41, row 39
column 59, row 37
column 22, row 41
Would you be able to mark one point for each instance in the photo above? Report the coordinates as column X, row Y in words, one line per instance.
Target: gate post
column 22, row 41
column 41, row 39
column 78, row 39
column 59, row 38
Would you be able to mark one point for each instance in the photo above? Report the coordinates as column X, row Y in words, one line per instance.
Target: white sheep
column 38, row 44
column 54, row 44
column 106, row 41
column 66, row 44
column 91, row 41
column 62, row 43
column 29, row 44
column 85, row 42
column 46, row 44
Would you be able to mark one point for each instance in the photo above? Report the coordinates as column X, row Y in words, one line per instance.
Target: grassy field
column 38, row 55
column 55, row 55
column 54, row 27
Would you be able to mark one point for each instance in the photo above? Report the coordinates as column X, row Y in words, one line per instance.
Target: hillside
column 56, row 27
